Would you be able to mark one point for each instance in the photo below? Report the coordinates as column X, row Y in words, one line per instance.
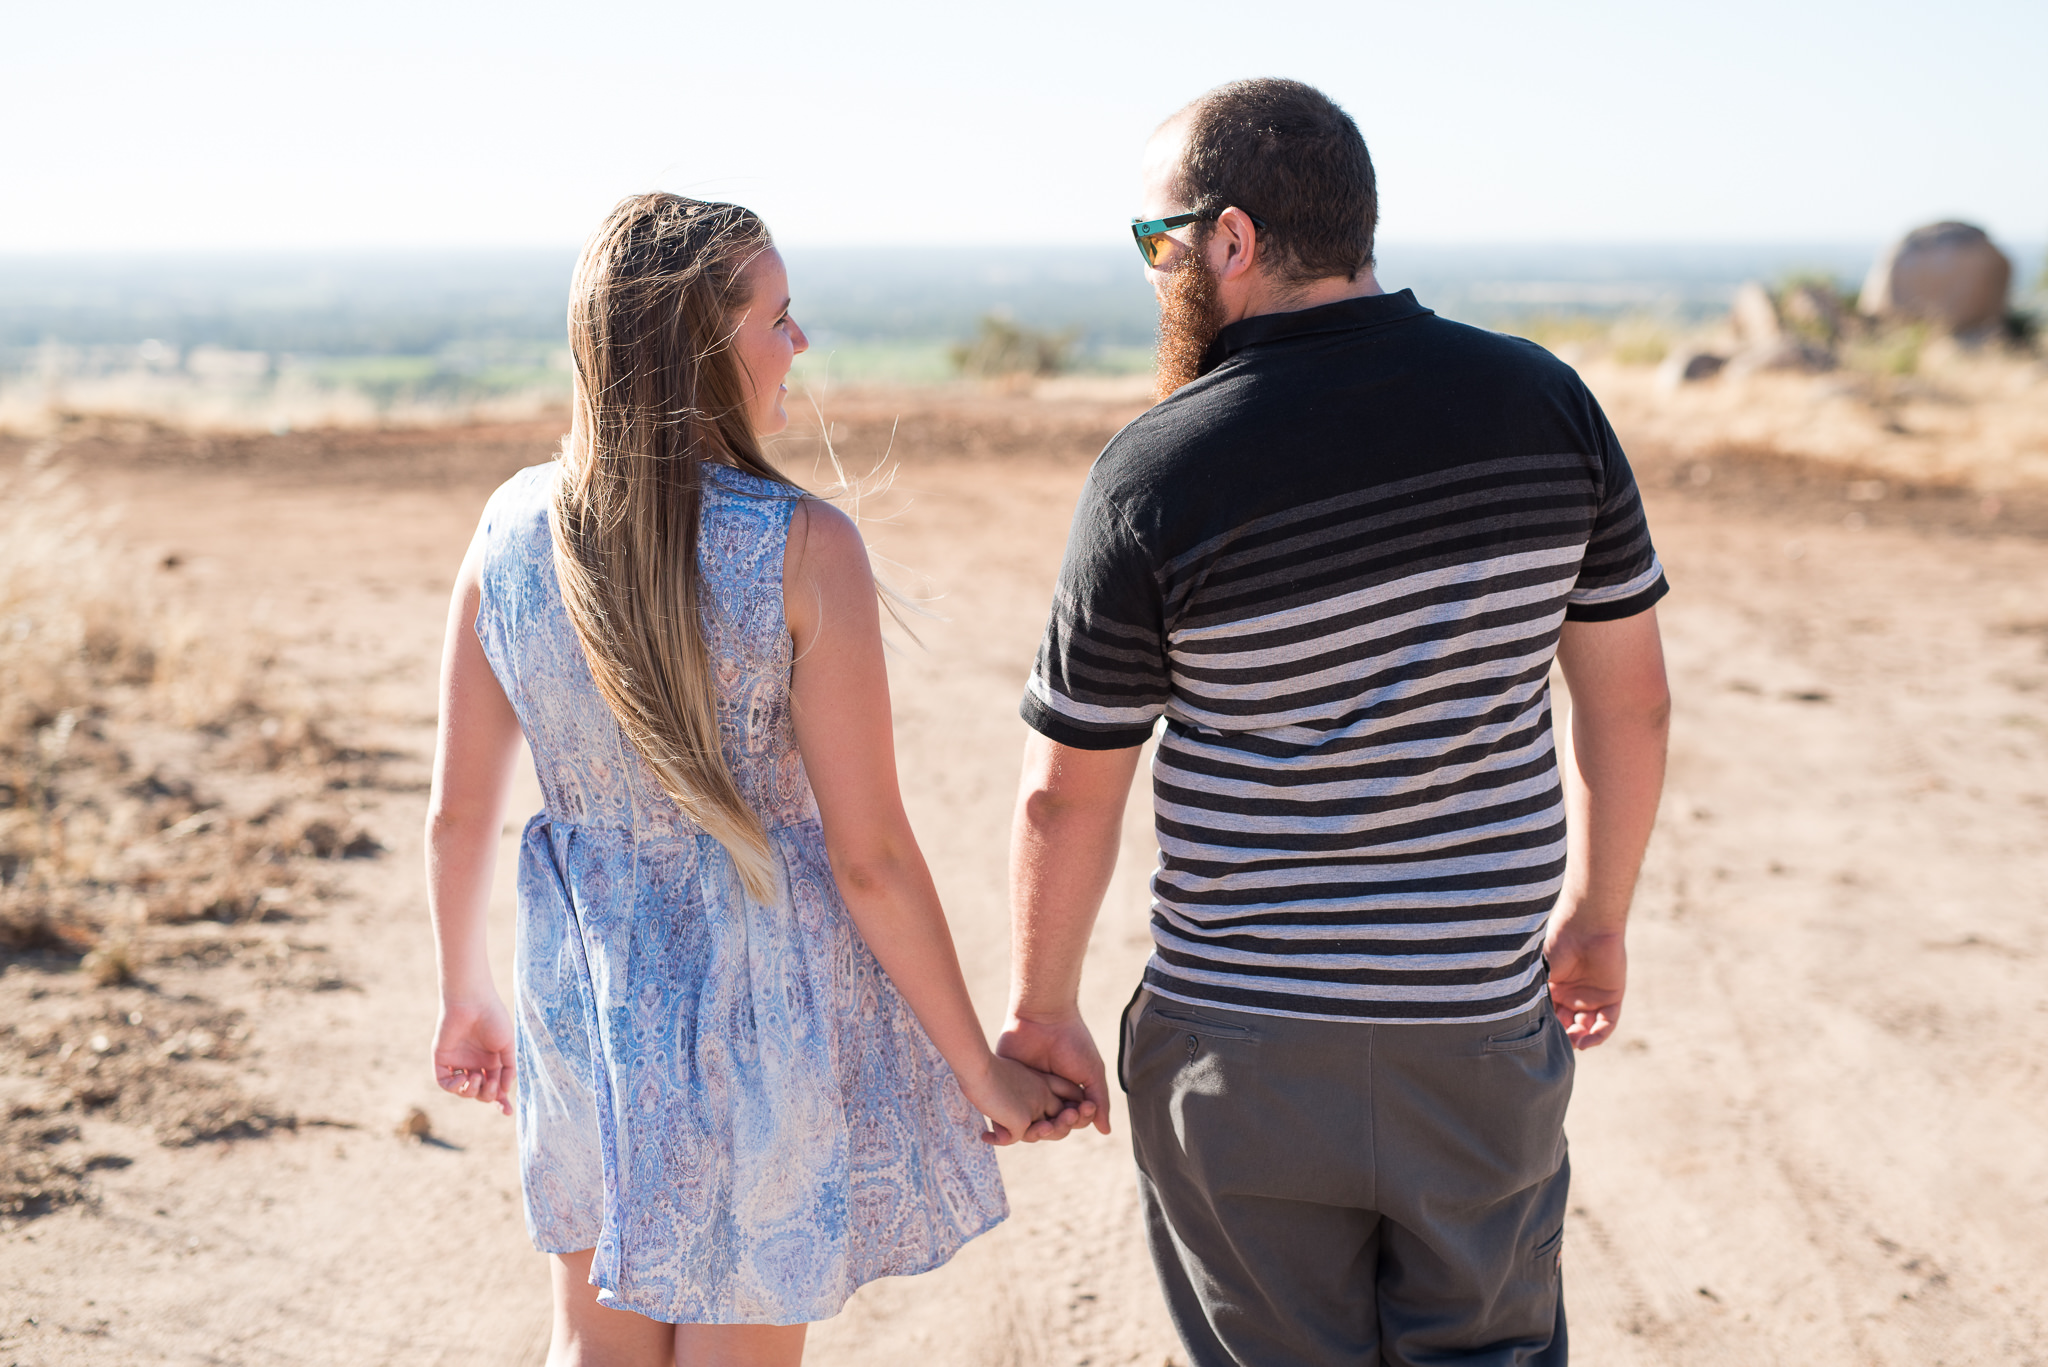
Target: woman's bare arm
column 474, row 754
column 839, row 694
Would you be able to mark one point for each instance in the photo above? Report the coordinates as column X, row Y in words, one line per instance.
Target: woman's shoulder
column 731, row 480
column 520, row 499
column 825, row 545
column 741, row 507
column 525, row 490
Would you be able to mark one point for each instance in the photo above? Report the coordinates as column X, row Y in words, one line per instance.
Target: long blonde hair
column 660, row 394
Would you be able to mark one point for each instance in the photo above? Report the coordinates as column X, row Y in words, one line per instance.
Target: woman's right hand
column 1014, row 1096
column 473, row 1051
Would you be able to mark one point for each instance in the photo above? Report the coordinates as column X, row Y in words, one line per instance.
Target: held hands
column 1588, row 973
column 1021, row 1102
column 473, row 1052
column 1062, row 1048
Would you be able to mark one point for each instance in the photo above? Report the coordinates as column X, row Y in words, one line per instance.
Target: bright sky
column 225, row 125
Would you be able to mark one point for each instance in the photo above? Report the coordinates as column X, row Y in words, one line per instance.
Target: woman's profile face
column 767, row 339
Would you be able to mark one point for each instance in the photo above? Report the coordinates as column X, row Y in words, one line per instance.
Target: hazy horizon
column 398, row 301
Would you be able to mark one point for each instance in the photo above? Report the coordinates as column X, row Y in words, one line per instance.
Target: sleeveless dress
column 726, row 1098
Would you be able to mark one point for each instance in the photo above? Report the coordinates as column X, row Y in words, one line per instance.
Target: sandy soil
column 1818, row 1139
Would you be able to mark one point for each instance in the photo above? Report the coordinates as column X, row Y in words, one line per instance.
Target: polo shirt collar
column 1372, row 310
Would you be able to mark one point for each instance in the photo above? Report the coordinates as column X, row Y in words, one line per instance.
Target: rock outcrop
column 1948, row 275
column 1787, row 353
column 1754, row 316
column 1793, row 331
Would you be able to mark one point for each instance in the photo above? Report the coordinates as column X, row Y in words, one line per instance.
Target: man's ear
column 1235, row 240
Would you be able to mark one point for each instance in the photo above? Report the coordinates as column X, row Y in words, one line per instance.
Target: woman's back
column 589, row 772
column 711, row 1084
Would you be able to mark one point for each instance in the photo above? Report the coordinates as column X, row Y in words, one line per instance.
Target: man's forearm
column 1614, row 775
column 1063, row 848
column 1613, row 764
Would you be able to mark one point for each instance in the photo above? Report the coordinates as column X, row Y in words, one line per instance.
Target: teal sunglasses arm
column 1146, row 227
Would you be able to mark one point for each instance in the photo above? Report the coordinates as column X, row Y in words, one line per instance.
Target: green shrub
column 1001, row 347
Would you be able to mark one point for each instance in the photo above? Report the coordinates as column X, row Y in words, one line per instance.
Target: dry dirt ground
column 1821, row 1137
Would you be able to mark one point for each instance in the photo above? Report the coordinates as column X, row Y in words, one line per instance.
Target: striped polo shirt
column 1337, row 565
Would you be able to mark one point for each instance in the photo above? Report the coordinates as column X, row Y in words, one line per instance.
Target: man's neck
column 1274, row 297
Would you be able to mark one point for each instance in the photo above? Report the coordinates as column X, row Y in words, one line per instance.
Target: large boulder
column 1946, row 274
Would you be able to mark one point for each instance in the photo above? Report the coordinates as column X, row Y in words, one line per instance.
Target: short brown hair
column 1286, row 154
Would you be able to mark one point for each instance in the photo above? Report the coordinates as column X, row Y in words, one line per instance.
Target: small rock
column 362, row 845
column 1685, row 366
column 320, row 839
column 111, row 964
column 415, row 1126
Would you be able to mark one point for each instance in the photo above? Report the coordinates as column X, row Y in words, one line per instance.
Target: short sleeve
column 1620, row 575
column 1101, row 679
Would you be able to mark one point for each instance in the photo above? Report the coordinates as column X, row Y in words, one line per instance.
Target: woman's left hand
column 473, row 1051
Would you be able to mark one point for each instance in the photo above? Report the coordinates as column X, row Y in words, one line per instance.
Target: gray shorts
column 1333, row 1192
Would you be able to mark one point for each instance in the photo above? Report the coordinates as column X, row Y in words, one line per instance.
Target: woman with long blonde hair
column 749, row 1077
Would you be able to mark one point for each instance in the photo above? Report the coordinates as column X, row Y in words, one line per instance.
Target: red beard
column 1190, row 316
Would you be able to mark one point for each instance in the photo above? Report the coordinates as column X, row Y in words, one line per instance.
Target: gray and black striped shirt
column 1337, row 565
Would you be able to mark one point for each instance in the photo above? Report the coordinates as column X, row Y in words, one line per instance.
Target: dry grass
column 79, row 622
column 165, row 1064
column 164, row 807
column 86, row 655
column 92, row 662
column 1966, row 419
column 35, row 408
column 1901, row 401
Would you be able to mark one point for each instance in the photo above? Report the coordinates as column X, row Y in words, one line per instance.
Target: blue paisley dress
column 726, row 1098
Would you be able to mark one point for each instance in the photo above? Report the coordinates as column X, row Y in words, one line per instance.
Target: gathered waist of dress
column 678, row 833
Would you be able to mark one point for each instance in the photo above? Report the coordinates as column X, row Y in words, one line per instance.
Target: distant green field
column 865, row 362
column 872, row 363
column 389, row 379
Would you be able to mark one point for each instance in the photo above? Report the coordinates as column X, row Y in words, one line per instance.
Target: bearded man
column 1338, row 559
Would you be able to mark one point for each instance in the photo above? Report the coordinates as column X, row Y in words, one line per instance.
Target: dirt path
column 1818, row 1140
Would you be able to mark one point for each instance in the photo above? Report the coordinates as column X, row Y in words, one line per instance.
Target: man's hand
column 1588, row 974
column 1064, row 1048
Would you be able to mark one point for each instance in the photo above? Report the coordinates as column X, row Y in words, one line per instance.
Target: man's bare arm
column 1063, row 845
column 1613, row 763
